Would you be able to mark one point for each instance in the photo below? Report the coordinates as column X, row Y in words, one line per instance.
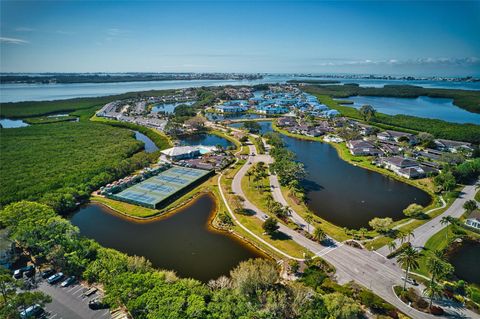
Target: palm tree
column 319, row 234
column 408, row 259
column 431, row 291
column 409, row 234
column 392, row 245
column 363, row 231
column 309, row 220
column 446, row 221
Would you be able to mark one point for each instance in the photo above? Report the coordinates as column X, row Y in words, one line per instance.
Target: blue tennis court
column 154, row 190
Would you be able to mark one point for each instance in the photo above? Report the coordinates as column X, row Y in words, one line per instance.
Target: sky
column 373, row 37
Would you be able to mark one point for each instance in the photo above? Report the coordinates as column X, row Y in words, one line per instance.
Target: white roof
column 179, row 150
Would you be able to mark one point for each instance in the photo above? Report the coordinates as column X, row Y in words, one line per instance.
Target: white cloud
column 466, row 61
column 12, row 41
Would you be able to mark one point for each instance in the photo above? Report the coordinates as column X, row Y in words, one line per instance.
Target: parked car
column 29, row 271
column 67, row 282
column 18, row 273
column 90, row 292
column 96, row 304
column 55, row 278
column 47, row 273
column 35, row 311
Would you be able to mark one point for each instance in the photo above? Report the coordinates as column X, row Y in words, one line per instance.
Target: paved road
column 369, row 269
column 430, row 228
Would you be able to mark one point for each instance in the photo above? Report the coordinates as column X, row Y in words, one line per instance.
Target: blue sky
column 273, row 36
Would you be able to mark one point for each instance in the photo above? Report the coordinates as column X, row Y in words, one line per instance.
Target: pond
column 7, row 123
column 150, row 147
column 466, row 260
column 423, row 106
column 344, row 194
column 183, row 242
column 168, row 107
column 205, row 139
column 265, row 126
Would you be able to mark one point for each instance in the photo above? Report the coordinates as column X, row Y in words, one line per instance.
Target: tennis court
column 154, row 190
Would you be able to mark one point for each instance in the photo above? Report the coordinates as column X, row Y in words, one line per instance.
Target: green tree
column 392, row 245
column 270, row 226
column 432, row 291
column 319, row 235
column 470, row 205
column 438, row 269
column 252, row 126
column 254, row 274
column 413, row 210
column 445, row 181
column 367, row 112
column 340, row 306
column 408, row 259
column 426, row 139
column 381, row 225
column 309, row 220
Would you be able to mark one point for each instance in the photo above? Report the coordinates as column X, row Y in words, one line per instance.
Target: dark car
column 55, row 278
column 29, row 271
column 47, row 273
column 96, row 304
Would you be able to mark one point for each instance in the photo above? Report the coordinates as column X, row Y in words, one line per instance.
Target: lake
column 423, row 106
column 205, row 139
column 42, row 92
column 150, row 147
column 344, row 194
column 7, row 123
column 182, row 242
column 466, row 260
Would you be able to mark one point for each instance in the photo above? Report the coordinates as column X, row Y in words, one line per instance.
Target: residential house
column 453, row 146
column 396, row 136
column 361, row 147
column 474, row 219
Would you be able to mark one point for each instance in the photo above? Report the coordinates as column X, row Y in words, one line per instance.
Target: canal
column 183, row 242
column 150, row 147
column 344, row 194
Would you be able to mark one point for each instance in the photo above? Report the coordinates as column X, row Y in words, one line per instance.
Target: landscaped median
column 253, row 224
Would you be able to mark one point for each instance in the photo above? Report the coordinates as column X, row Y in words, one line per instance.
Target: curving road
column 424, row 232
column 369, row 269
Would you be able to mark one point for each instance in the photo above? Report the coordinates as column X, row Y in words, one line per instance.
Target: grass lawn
column 336, row 232
column 477, row 196
column 125, row 208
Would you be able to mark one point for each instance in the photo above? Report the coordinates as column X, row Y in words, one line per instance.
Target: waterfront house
column 453, row 146
column 474, row 219
column 396, row 163
column 396, row 136
column 361, row 147
column 286, row 121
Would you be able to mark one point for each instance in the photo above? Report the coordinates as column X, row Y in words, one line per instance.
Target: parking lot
column 69, row 302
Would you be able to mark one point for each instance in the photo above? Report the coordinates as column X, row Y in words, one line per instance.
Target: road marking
column 53, row 316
